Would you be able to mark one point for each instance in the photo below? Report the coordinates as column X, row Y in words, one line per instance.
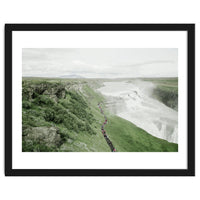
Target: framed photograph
column 99, row 100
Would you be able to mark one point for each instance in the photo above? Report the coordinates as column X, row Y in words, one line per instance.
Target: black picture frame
column 189, row 28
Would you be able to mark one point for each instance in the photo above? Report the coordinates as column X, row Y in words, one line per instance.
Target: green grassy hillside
column 62, row 115
column 128, row 137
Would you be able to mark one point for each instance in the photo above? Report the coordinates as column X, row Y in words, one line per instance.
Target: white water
column 133, row 102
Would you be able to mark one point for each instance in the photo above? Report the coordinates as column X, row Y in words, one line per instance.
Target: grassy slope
column 126, row 137
column 96, row 142
column 41, row 111
column 129, row 138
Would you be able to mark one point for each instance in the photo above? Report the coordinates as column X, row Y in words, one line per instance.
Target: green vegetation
column 62, row 115
column 135, row 139
column 166, row 91
column 167, row 95
column 50, row 105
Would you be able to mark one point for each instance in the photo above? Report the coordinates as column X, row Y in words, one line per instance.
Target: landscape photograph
column 99, row 100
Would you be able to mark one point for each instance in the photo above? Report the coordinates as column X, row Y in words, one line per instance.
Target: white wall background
column 104, row 11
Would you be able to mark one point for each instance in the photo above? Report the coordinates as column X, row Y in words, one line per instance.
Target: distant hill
column 71, row 76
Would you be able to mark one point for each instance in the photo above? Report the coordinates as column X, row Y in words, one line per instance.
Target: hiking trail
column 104, row 132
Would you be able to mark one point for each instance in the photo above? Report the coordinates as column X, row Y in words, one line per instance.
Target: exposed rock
column 53, row 97
column 54, row 91
column 69, row 140
column 45, row 135
column 62, row 94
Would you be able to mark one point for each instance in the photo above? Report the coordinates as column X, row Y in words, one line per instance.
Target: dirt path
column 104, row 132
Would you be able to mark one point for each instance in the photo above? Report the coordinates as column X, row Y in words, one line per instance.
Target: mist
column 133, row 101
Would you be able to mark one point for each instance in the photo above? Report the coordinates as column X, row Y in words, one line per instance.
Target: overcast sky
column 100, row 62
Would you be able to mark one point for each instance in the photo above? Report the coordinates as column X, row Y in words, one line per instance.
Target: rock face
column 44, row 135
column 53, row 91
column 57, row 92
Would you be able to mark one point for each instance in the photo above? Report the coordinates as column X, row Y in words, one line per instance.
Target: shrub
column 59, row 118
column 49, row 115
column 44, row 100
column 26, row 104
column 63, row 134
